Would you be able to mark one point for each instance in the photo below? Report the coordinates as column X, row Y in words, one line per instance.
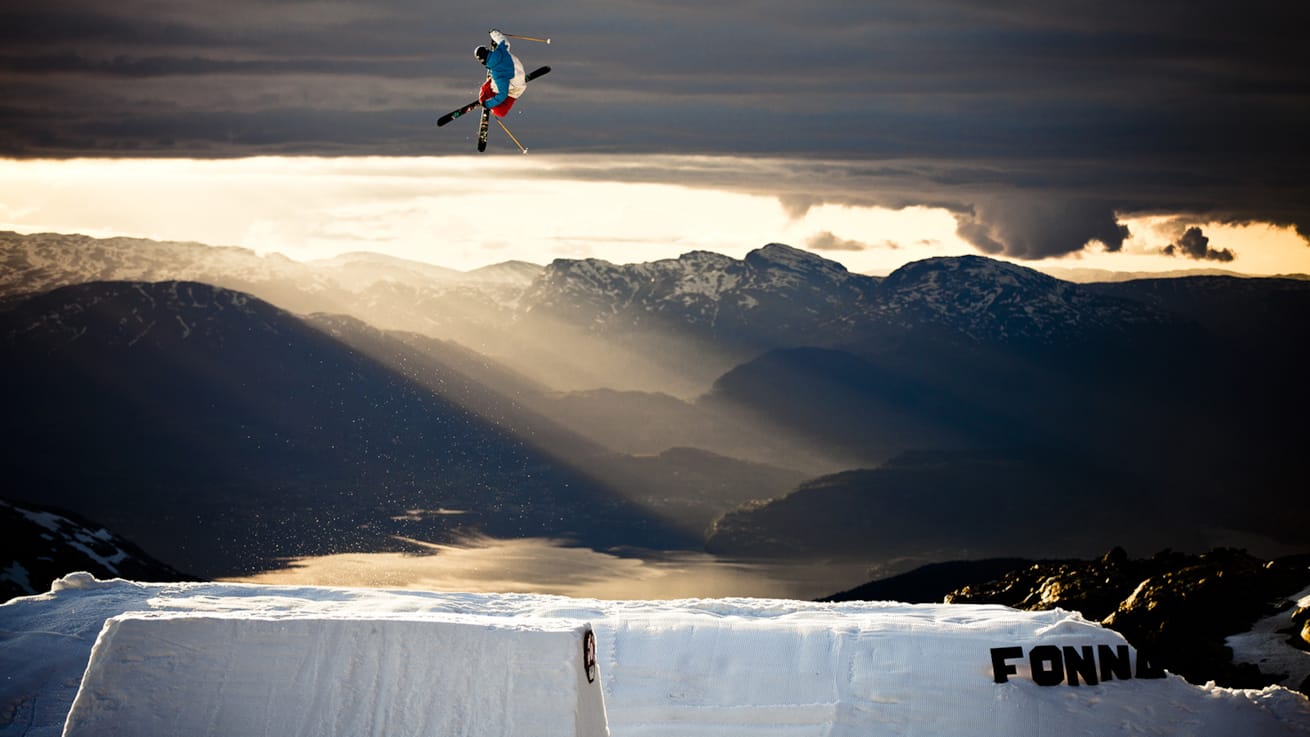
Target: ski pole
column 511, row 136
column 527, row 38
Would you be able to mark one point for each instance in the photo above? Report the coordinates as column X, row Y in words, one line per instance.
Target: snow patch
column 82, row 542
column 1268, row 645
column 47, row 520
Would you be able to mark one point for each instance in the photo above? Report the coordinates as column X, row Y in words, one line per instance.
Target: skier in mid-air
column 506, row 79
column 505, row 82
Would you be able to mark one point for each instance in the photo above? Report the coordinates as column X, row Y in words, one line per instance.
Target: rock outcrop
column 1178, row 607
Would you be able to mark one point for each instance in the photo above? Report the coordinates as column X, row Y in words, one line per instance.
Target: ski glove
column 497, row 37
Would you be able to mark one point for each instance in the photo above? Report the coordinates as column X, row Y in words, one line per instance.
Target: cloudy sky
column 1106, row 133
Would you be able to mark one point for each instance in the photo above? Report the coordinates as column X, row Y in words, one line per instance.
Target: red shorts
column 487, row 93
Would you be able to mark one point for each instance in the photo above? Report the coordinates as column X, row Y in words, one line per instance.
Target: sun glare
column 543, row 566
column 1257, row 249
column 468, row 212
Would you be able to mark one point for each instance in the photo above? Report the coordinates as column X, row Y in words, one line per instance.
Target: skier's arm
column 501, row 66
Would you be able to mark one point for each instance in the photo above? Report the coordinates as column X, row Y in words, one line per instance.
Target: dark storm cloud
column 828, row 241
column 1034, row 227
column 170, row 66
column 1194, row 244
column 1040, row 124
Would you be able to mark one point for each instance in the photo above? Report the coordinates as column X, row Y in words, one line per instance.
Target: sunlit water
column 542, row 566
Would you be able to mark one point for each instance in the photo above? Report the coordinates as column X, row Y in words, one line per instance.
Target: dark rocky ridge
column 1178, row 607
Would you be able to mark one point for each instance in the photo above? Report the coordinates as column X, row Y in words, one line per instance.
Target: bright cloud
column 467, row 212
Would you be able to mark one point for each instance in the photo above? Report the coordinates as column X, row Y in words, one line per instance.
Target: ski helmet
column 481, row 53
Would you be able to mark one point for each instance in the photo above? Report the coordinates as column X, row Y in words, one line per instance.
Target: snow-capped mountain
column 775, row 297
column 38, row 263
column 601, row 290
column 382, row 290
column 718, row 312
column 673, row 325
column 994, row 301
column 777, row 293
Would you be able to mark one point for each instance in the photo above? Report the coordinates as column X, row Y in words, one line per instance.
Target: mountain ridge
column 252, row 436
column 956, row 355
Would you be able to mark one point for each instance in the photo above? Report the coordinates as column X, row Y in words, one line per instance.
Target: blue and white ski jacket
column 507, row 76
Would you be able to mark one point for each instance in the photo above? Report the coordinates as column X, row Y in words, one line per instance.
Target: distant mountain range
column 776, row 405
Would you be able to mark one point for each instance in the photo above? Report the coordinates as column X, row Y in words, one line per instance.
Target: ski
column 483, row 128
column 456, row 113
column 486, row 117
column 466, row 109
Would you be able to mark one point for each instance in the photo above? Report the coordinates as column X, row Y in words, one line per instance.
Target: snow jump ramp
column 185, row 674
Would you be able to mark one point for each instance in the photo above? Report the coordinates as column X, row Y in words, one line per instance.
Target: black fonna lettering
column 1001, row 670
column 1080, row 663
column 1051, row 665
column 1047, row 664
column 1114, row 662
column 1146, row 668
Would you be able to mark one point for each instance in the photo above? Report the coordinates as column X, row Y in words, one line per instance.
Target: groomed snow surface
column 117, row 657
column 334, row 675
